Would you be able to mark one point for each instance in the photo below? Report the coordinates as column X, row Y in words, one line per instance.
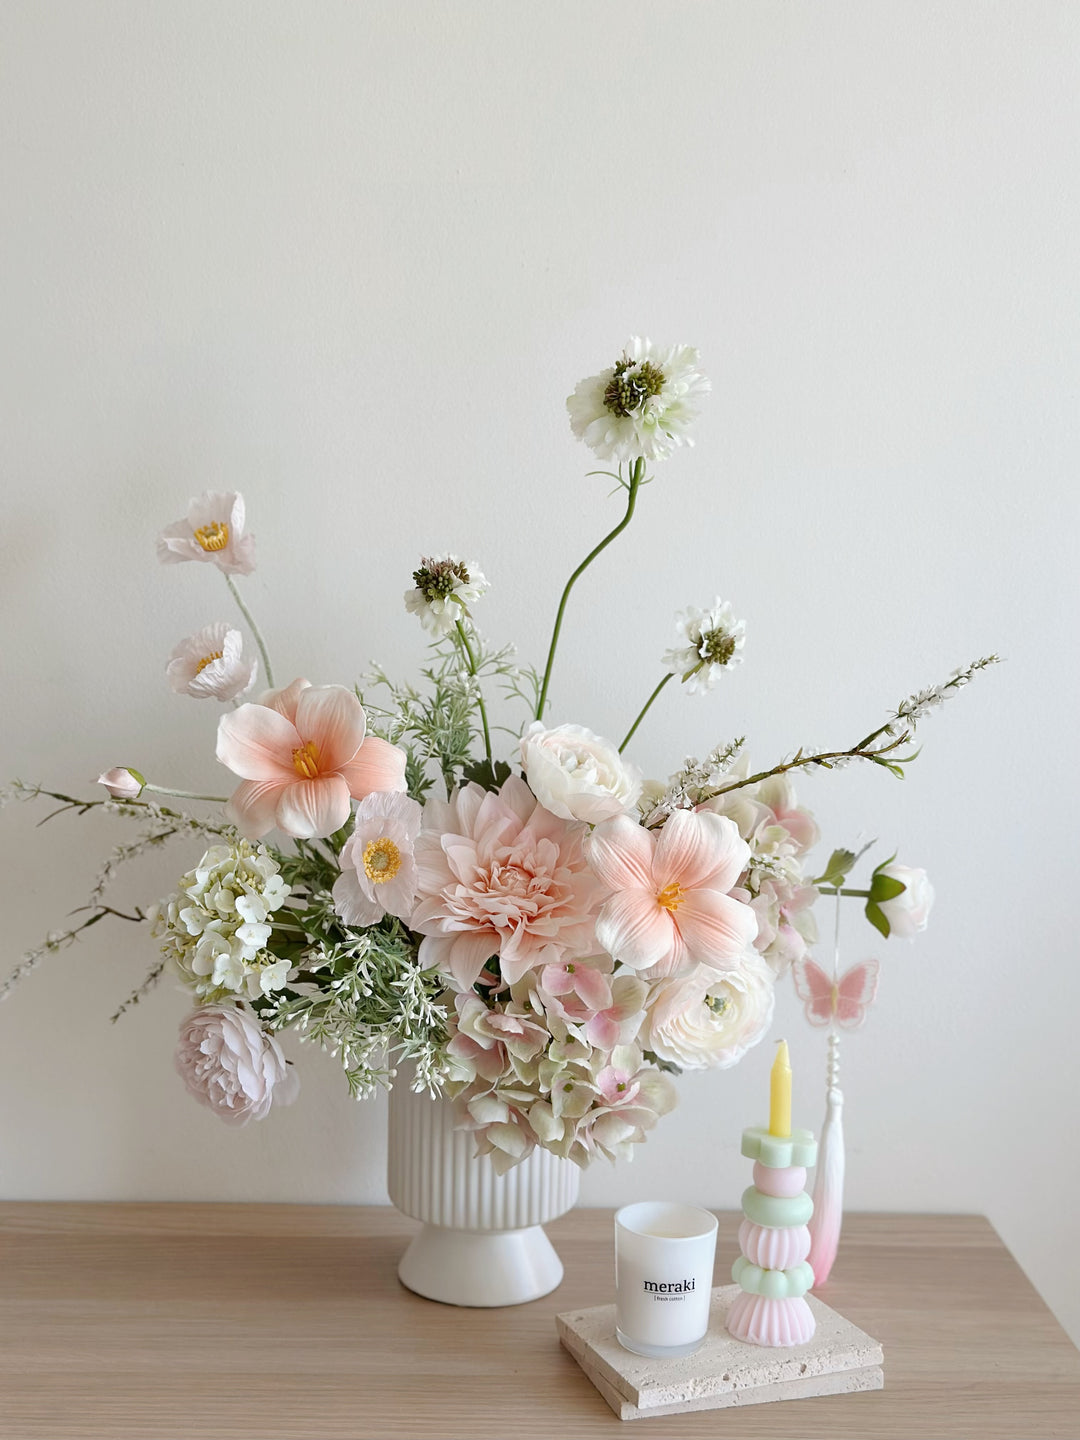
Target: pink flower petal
column 621, row 854
column 252, row 807
column 603, row 1031
column 633, row 928
column 257, row 743
column 696, row 846
column 312, row 809
column 333, row 720
column 592, row 985
column 377, row 765
column 715, row 927
column 468, row 956
column 350, row 902
column 285, row 701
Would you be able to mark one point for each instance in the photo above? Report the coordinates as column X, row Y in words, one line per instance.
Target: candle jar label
column 664, row 1257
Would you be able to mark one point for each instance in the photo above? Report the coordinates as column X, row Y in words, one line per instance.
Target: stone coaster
column 840, row 1358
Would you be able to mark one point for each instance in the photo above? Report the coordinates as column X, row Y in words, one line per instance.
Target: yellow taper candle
column 780, row 1093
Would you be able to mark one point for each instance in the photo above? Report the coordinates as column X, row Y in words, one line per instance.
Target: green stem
column 259, row 641
column 185, row 794
column 643, row 712
column 637, row 476
column 470, row 660
column 858, row 752
column 829, row 890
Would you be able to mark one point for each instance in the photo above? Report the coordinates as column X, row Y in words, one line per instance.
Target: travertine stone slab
column 724, row 1372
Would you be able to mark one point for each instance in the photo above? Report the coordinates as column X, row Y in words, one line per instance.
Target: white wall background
column 350, row 258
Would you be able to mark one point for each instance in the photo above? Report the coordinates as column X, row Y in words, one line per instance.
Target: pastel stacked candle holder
column 772, row 1270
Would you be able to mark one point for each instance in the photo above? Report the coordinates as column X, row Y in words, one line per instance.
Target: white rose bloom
column 578, row 775
column 211, row 665
column 642, row 405
column 709, row 641
column 707, row 1020
column 908, row 912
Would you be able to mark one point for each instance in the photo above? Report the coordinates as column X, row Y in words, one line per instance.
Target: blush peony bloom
column 708, row 1021
column 671, row 907
column 210, row 665
column 378, row 872
column 229, row 1063
column 122, row 783
column 301, row 754
column 907, row 913
column 577, row 775
column 213, row 530
column 500, row 875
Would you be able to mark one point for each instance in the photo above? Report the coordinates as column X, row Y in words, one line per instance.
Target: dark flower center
column 438, row 579
column 717, row 647
column 631, row 385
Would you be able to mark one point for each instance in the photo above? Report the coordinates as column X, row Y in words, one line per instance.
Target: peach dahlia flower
column 671, row 906
column 497, row 874
column 302, row 753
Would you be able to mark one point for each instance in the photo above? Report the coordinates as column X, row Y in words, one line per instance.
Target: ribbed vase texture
column 434, row 1176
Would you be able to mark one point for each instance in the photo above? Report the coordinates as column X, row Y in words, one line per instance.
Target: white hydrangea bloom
column 640, row 407
column 709, row 641
column 216, row 927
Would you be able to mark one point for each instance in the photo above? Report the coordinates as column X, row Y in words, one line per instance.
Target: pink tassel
column 829, row 1180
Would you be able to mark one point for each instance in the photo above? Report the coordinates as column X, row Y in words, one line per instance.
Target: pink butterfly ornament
column 843, row 1002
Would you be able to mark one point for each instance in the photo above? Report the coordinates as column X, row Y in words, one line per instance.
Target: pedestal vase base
column 482, row 1268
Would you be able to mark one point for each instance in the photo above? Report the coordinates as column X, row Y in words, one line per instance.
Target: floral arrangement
column 543, row 934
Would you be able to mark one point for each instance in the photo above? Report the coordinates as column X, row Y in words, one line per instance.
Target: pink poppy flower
column 500, row 875
column 378, row 872
column 213, row 531
column 302, row 754
column 671, row 906
column 211, row 665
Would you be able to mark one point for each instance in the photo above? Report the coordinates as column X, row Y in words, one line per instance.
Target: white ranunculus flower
column 642, row 405
column 211, row 665
column 229, row 1063
column 707, row 1020
column 578, row 775
column 709, row 641
column 908, row 912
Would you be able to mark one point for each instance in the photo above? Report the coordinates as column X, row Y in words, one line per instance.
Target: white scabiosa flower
column 642, row 405
column 709, row 641
column 444, row 589
column 217, row 926
column 211, row 665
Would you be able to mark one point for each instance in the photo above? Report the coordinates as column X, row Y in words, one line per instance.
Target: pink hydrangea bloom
column 671, row 906
column 498, row 875
column 212, row 531
column 229, row 1063
column 301, row 754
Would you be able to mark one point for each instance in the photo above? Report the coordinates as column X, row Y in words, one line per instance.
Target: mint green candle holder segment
column 776, row 1212
column 773, row 1284
column 778, row 1152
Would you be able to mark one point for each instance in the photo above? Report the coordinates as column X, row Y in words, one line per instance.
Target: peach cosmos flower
column 301, row 753
column 671, row 907
column 213, row 531
column 497, row 874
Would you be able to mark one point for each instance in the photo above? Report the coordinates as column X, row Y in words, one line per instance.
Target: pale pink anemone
column 671, row 907
column 211, row 665
column 212, row 531
column 302, row 753
column 378, row 872
column 500, row 875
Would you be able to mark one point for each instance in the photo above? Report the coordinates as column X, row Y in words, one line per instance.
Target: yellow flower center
column 305, row 759
column 671, row 897
column 207, row 660
column 382, row 860
column 214, row 536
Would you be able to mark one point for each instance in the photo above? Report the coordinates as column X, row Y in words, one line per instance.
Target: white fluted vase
column 482, row 1242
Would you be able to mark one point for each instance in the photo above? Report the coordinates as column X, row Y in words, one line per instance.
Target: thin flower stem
column 829, row 890
column 259, row 641
column 824, row 758
column 185, row 794
column 637, row 477
column 470, row 660
column 643, row 712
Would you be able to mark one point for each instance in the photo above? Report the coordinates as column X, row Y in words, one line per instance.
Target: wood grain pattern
column 287, row 1322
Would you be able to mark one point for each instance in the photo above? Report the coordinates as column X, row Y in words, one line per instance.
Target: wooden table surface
column 225, row 1322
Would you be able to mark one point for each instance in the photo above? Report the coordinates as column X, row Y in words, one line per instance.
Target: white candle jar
column 664, row 1257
